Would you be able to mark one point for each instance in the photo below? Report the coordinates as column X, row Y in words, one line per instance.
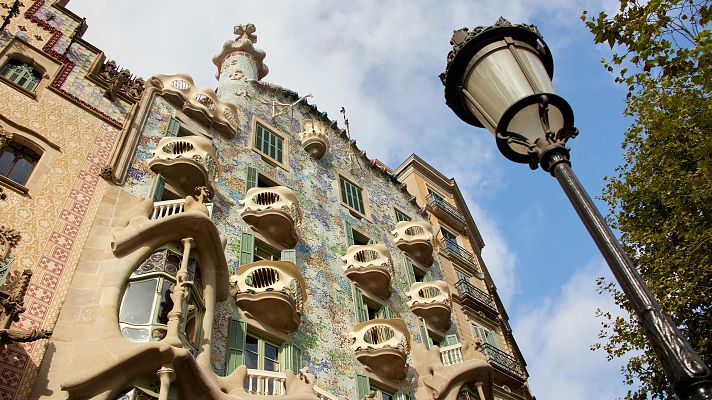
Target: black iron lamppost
column 499, row 78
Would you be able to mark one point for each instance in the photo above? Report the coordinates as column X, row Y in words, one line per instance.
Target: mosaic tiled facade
column 90, row 135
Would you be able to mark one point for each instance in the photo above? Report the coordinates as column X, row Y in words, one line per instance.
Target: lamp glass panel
column 535, row 69
column 496, row 82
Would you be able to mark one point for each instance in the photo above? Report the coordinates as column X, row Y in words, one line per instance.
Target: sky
column 380, row 60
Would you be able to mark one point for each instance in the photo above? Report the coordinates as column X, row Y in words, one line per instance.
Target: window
column 435, row 195
column 253, row 250
column 256, row 179
column 21, row 74
column 17, row 162
column 354, row 237
column 143, row 315
column 367, row 310
column 269, row 143
column 381, row 394
column 401, row 216
column 351, row 195
column 485, row 335
column 364, row 388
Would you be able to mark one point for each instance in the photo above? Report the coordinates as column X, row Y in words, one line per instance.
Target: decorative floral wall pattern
column 328, row 314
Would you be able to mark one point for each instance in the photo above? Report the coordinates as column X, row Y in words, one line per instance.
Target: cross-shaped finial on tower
column 246, row 32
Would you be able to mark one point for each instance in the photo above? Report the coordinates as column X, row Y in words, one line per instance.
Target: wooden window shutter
column 157, row 189
column 428, row 277
column 349, row 234
column 173, row 127
column 292, row 357
column 363, row 386
column 409, row 269
column 235, row 344
column 385, row 313
column 424, row 334
column 289, row 255
column 252, row 177
column 361, row 310
column 247, row 248
column 492, row 339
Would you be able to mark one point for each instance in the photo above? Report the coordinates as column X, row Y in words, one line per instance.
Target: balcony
column 444, row 210
column 457, row 252
column 273, row 212
column 186, row 163
column 415, row 239
column 162, row 209
column 314, row 139
column 476, row 298
column 271, row 292
column 382, row 345
column 370, row 266
column 271, row 383
column 503, row 362
column 431, row 301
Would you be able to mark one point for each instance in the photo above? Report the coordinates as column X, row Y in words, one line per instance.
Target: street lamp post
column 499, row 78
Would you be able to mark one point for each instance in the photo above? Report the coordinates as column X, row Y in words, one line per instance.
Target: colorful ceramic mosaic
column 328, row 315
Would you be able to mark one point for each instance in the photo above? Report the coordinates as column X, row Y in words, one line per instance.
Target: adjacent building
column 195, row 243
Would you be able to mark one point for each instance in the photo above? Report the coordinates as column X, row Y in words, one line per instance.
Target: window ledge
column 20, row 89
column 7, row 182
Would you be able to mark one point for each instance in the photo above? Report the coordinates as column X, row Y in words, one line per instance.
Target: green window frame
column 146, row 301
column 269, row 143
column 352, row 195
column 21, row 74
column 400, row 216
column 486, row 335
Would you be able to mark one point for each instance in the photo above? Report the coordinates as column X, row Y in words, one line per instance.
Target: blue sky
column 381, row 61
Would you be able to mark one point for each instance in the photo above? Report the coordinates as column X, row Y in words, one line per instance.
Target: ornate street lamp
column 499, row 78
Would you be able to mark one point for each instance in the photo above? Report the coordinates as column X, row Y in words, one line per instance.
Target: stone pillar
column 239, row 63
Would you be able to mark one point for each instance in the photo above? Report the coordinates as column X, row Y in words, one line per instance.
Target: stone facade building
column 191, row 243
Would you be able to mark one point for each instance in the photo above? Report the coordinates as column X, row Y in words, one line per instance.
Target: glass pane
column 251, row 360
column 386, row 396
column 251, row 344
column 21, row 171
column 166, row 304
column 6, row 159
column 271, row 351
column 137, row 306
column 270, row 365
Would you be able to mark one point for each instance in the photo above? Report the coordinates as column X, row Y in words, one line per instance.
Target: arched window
column 143, row 315
column 17, row 161
column 21, row 74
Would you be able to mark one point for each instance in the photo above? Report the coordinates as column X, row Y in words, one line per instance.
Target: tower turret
column 238, row 63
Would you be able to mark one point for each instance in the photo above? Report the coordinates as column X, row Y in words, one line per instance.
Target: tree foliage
column 661, row 197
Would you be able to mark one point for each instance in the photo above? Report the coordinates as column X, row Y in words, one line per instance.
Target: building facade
column 191, row 243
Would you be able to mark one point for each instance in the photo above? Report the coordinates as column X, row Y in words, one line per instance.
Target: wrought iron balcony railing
column 458, row 251
column 470, row 293
column 435, row 203
column 503, row 361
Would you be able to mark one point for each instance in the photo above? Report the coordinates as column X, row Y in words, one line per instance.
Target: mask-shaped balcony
column 186, row 163
column 431, row 301
column 382, row 345
column 314, row 139
column 273, row 212
column 415, row 239
column 271, row 292
column 370, row 266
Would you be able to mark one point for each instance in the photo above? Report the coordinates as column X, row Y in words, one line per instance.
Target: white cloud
column 555, row 338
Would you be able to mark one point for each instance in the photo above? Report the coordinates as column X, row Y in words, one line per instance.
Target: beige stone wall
column 54, row 219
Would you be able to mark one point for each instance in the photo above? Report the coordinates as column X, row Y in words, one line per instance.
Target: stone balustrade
column 383, row 346
column 415, row 238
column 370, row 266
column 274, row 212
column 431, row 301
column 272, row 292
column 314, row 139
column 186, row 163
